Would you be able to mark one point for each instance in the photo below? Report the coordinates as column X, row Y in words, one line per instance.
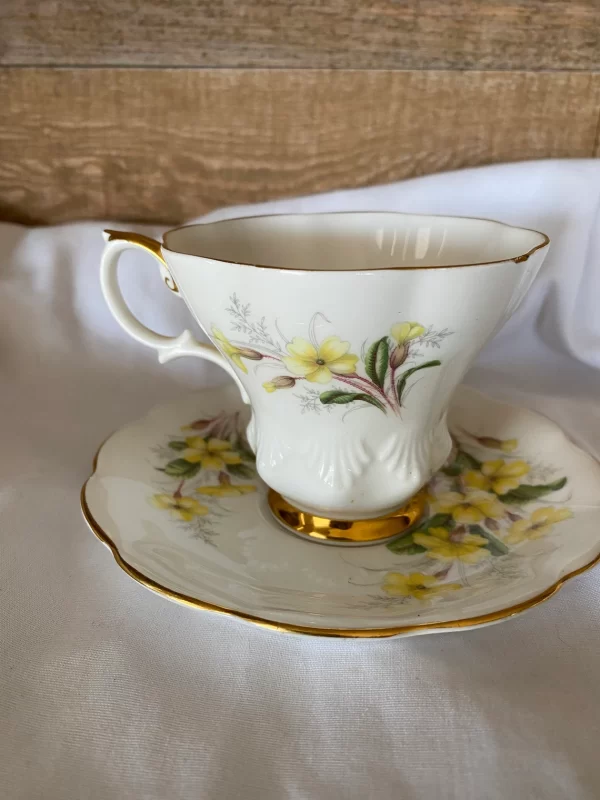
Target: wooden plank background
column 166, row 144
column 350, row 34
column 159, row 110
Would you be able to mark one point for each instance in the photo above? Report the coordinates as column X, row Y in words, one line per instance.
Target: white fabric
column 108, row 691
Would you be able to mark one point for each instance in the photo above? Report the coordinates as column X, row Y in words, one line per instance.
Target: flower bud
column 280, row 382
column 197, row 425
column 284, row 382
column 249, row 353
column 506, row 445
column 224, row 479
column 399, row 355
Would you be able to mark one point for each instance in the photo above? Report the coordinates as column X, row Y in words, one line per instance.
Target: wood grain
column 165, row 145
column 352, row 34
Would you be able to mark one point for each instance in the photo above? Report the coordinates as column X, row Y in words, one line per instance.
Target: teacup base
column 346, row 532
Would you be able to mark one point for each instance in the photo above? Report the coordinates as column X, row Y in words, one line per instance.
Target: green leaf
column 246, row 454
column 436, row 521
column 177, row 445
column 377, row 361
column 451, row 471
column 496, row 547
column 240, row 470
column 414, row 549
column 180, row 468
column 525, row 493
column 341, row 398
column 366, row 398
column 405, row 546
column 466, row 460
column 462, row 462
column 401, row 385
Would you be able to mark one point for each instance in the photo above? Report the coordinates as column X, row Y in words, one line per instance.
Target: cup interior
column 355, row 241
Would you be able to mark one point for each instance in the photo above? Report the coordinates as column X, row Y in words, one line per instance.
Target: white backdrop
column 108, row 691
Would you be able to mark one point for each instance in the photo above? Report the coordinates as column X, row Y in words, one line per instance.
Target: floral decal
column 479, row 511
column 180, row 506
column 319, row 364
column 442, row 545
column 537, row 525
column 381, row 376
column 482, row 510
column 210, row 456
column 499, row 475
column 417, row 585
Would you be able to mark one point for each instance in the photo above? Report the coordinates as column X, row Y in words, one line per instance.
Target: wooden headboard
column 159, row 110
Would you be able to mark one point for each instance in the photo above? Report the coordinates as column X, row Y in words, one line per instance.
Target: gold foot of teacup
column 347, row 532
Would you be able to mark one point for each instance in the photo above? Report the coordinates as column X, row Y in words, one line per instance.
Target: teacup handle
column 168, row 347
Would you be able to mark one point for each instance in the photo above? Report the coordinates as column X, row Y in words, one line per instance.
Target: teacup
column 347, row 333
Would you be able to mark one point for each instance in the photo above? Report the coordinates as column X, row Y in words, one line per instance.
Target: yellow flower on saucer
column 441, row 544
column 318, row 365
column 407, row 331
column 417, row 585
column 539, row 524
column 185, row 508
column 227, row 489
column 499, row 475
column 471, row 507
column 210, row 453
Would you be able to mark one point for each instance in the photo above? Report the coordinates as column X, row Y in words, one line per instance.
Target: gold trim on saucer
column 346, row 532
column 286, row 627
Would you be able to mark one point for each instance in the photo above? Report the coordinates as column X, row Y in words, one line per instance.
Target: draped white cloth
column 108, row 691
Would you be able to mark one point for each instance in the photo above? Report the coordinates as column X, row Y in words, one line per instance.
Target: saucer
column 513, row 515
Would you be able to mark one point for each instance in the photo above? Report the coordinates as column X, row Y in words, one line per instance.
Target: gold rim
column 286, row 627
column 517, row 259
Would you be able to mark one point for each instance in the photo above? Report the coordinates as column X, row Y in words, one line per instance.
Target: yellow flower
column 471, row 507
column 407, row 331
column 317, row 365
column 500, row 476
column 229, row 349
column 227, row 489
column 185, row 508
column 210, row 453
column 467, row 547
column 235, row 352
column 539, row 524
column 417, row 585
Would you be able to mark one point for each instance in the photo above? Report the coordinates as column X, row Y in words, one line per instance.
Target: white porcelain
column 311, row 312
column 523, row 517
